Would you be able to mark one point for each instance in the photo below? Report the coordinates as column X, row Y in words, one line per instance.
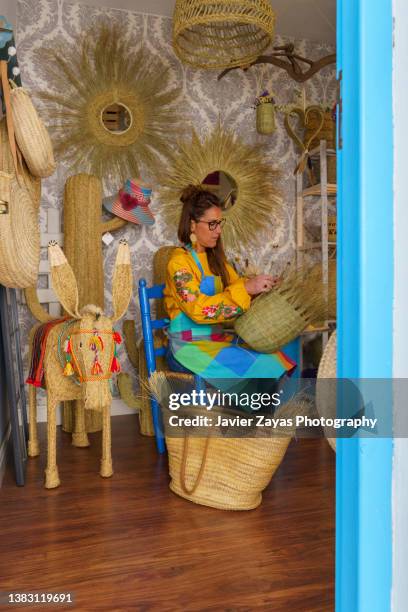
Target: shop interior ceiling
column 311, row 19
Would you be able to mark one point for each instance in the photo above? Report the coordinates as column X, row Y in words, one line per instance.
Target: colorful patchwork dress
column 199, row 307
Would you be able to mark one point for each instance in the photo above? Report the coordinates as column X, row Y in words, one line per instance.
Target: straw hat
column 131, row 202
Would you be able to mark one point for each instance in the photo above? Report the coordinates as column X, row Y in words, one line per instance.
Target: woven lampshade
column 225, row 34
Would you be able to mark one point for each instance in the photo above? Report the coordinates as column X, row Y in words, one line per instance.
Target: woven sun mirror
column 251, row 199
column 112, row 103
column 224, row 34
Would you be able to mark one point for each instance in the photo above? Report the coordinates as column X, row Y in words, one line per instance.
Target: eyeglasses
column 212, row 225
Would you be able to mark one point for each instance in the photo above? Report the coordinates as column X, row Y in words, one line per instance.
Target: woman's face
column 206, row 237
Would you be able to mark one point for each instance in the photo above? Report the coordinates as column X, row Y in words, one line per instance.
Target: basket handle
column 184, row 466
column 9, row 117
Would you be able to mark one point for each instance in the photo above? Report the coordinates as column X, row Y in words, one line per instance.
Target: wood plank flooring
column 129, row 543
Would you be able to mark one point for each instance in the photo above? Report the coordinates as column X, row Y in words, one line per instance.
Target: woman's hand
column 261, row 283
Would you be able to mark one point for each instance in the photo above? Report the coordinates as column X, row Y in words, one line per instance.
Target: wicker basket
column 31, row 134
column 19, row 229
column 224, row 473
column 265, row 118
column 327, row 133
column 278, row 317
column 326, row 392
column 222, row 34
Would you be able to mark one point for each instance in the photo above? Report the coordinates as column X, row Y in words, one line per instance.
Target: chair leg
column 158, row 427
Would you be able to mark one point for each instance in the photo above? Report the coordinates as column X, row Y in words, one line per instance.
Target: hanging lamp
column 222, row 34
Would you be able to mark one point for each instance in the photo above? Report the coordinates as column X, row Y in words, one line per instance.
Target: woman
column 203, row 292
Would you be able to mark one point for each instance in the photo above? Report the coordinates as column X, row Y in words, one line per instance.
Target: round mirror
column 224, row 186
column 116, row 118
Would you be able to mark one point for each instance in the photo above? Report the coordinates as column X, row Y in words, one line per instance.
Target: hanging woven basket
column 225, row 34
column 265, row 116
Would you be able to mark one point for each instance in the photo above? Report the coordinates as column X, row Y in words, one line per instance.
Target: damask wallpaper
column 204, row 102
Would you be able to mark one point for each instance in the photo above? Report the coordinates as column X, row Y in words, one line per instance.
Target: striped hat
column 131, row 203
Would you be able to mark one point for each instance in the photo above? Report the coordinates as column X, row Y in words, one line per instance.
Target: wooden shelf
column 315, row 245
column 316, row 190
column 316, row 152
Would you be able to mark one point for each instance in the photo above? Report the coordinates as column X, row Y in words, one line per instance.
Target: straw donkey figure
column 82, row 369
column 83, row 230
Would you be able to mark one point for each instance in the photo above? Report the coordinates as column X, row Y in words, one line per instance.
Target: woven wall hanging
column 225, row 34
column 257, row 199
column 111, row 107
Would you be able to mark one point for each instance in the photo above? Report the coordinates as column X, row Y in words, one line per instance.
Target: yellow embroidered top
column 182, row 292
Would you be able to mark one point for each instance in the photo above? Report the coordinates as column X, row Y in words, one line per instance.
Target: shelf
column 316, row 152
column 316, row 190
column 315, row 245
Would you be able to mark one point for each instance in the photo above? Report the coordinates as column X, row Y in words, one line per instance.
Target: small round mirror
column 116, row 118
column 224, row 186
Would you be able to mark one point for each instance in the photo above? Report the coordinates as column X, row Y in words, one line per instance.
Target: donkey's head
column 88, row 342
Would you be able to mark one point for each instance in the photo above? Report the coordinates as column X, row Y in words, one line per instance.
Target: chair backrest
column 148, row 324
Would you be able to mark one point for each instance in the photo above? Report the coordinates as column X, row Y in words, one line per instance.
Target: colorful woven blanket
column 36, row 373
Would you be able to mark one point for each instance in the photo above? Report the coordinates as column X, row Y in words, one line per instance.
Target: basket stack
column 222, row 34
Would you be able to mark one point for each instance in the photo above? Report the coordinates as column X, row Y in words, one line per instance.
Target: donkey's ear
column 63, row 280
column 122, row 281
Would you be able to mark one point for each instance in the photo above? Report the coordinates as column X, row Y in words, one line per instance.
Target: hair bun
column 190, row 193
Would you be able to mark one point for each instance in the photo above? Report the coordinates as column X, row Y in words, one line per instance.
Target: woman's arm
column 185, row 289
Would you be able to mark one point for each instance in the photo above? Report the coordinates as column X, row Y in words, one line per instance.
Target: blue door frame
column 365, row 281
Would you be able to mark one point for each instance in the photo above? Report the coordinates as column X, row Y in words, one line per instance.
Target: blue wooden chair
column 149, row 326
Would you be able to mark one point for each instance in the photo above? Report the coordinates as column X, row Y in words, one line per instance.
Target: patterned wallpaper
column 205, row 101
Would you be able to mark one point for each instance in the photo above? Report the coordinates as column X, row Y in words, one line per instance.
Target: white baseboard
column 3, row 453
column 118, row 408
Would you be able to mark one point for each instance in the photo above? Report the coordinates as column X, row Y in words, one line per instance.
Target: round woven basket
column 224, row 473
column 31, row 134
column 222, row 34
column 327, row 133
column 19, row 228
column 326, row 392
column 265, row 118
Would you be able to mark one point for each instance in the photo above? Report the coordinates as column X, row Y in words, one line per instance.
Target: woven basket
column 224, row 473
column 327, row 133
column 31, row 134
column 326, row 392
column 222, row 34
column 265, row 118
column 19, row 229
column 278, row 317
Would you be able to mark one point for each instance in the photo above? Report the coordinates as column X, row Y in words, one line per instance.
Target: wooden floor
column 128, row 543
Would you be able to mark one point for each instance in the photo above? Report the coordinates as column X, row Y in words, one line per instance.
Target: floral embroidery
column 217, row 310
column 181, row 279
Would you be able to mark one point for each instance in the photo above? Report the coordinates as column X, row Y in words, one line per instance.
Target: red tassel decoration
column 117, row 338
column 115, row 366
column 96, row 368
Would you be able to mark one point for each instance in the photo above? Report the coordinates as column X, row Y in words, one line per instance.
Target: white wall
column 400, row 469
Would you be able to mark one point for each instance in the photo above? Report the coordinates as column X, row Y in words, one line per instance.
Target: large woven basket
column 224, row 473
column 326, row 392
column 31, row 134
column 19, row 228
column 222, row 33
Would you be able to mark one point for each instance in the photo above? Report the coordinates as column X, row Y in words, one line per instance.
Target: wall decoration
column 257, row 198
column 110, row 109
column 222, row 34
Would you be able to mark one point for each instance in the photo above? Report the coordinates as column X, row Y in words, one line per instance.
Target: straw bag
column 224, row 473
column 19, row 195
column 31, row 134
